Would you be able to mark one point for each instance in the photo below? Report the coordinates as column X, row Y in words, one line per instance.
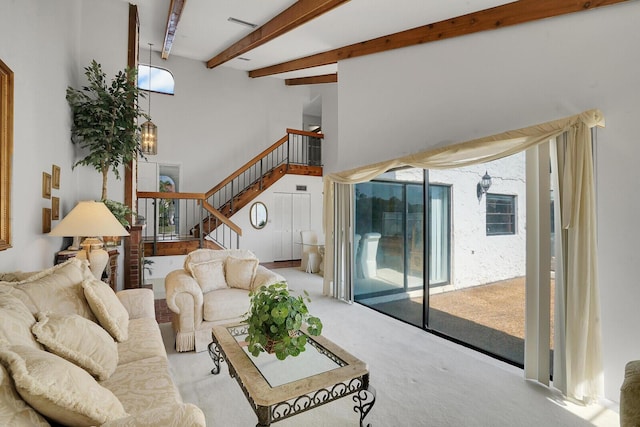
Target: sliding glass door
column 462, row 276
column 390, row 241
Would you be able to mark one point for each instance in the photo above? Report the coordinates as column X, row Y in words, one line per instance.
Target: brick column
column 133, row 257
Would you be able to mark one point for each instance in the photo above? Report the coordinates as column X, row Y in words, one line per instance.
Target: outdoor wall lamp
column 483, row 185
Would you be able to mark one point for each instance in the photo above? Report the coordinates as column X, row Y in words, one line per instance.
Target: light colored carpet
column 420, row 379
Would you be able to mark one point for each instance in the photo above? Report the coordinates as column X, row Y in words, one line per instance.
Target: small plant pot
column 271, row 343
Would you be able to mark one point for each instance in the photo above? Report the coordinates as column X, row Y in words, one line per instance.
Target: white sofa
column 212, row 288
column 74, row 353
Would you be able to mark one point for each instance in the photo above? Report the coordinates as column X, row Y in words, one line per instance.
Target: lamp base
column 75, row 245
column 98, row 258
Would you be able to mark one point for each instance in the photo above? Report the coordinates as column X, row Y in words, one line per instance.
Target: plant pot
column 271, row 343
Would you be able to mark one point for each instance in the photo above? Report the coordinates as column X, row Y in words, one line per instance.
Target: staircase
column 208, row 215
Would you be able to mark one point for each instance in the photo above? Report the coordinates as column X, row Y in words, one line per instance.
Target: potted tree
column 275, row 318
column 105, row 121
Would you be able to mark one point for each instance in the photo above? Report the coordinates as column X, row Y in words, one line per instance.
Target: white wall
column 104, row 34
column 407, row 100
column 219, row 119
column 261, row 242
column 45, row 46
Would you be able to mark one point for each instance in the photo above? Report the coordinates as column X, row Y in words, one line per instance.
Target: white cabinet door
column 282, row 227
column 292, row 214
column 301, row 207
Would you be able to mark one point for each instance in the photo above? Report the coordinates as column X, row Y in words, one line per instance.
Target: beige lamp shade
column 89, row 218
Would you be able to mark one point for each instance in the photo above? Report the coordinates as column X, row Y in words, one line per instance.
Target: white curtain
column 583, row 346
column 583, row 356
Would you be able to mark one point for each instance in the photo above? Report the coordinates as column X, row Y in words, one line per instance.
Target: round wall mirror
column 258, row 215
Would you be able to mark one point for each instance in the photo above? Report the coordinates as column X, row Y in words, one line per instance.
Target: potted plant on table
column 275, row 318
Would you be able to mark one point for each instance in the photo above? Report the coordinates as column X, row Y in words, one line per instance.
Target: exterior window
column 161, row 79
column 501, row 214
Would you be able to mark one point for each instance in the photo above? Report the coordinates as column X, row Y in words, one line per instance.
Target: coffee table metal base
column 364, row 395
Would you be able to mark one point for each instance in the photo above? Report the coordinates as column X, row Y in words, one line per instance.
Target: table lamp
column 93, row 219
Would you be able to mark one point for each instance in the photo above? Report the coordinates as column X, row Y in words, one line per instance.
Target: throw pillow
column 209, row 275
column 17, row 320
column 240, row 272
column 58, row 389
column 106, row 306
column 78, row 340
column 57, row 289
column 15, row 411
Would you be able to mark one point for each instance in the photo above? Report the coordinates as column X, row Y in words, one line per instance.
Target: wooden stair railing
column 298, row 152
column 290, row 154
column 187, row 209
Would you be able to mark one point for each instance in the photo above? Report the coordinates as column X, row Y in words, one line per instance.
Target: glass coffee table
column 279, row 389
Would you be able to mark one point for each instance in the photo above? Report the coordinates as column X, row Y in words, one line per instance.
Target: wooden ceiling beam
column 294, row 16
column 312, row 80
column 518, row 12
column 173, row 17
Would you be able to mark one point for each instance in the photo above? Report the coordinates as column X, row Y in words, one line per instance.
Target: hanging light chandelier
column 149, row 131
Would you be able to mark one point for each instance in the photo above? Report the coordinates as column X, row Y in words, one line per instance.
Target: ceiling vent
column 241, row 22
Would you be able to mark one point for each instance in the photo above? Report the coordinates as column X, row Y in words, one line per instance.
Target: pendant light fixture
column 149, row 131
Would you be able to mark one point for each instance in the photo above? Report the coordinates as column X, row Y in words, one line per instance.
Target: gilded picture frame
column 6, row 150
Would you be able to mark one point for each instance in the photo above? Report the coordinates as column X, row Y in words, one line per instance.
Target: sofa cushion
column 17, row 320
column 209, row 275
column 143, row 385
column 107, row 308
column 78, row 340
column 59, row 389
column 178, row 415
column 240, row 272
column 225, row 304
column 144, row 341
column 14, row 411
column 57, row 289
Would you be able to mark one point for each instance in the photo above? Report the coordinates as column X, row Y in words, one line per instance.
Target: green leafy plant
column 105, row 120
column 275, row 318
column 121, row 211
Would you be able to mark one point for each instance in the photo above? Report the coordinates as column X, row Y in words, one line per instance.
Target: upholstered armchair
column 212, row 288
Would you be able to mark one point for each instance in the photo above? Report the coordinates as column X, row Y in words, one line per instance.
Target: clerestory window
column 161, row 79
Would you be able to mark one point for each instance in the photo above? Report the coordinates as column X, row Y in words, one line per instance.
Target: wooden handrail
column 253, row 161
column 226, row 221
column 171, row 195
column 306, row 133
column 246, row 166
column 201, row 197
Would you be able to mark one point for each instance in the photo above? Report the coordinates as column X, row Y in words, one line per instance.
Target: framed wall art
column 46, row 185
column 46, row 220
column 55, row 177
column 55, row 208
